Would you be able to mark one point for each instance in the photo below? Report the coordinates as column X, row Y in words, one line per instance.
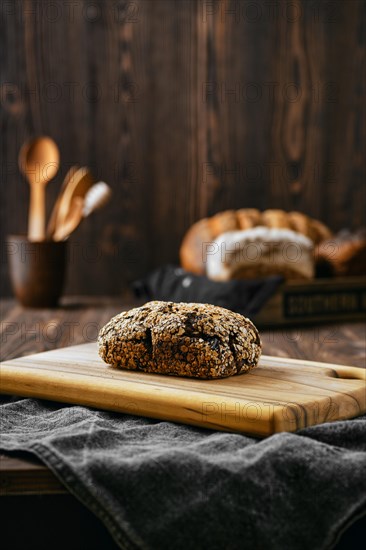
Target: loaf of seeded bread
column 195, row 340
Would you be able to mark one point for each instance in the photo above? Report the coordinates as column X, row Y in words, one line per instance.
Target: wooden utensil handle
column 72, row 221
column 37, row 216
column 51, row 227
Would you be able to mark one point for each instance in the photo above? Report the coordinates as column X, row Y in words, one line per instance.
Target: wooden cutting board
column 279, row 395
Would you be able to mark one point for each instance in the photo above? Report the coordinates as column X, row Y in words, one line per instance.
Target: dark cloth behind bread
column 159, row 485
column 174, row 284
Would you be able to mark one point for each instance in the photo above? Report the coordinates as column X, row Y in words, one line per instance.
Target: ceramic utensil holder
column 37, row 270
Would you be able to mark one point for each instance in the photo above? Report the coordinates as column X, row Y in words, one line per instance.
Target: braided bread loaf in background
column 207, row 230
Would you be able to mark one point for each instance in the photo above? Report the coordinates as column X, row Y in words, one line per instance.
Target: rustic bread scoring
column 182, row 339
column 193, row 251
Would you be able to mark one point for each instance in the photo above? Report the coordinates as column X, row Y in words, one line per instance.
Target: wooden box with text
column 316, row 301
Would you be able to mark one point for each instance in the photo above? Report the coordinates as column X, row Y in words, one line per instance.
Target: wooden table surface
column 24, row 332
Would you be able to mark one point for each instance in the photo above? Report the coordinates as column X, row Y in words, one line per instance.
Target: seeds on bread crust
column 194, row 340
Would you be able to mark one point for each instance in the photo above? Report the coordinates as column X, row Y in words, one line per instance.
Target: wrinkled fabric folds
column 160, row 485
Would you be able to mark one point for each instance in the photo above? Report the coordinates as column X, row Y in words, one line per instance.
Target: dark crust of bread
column 194, row 340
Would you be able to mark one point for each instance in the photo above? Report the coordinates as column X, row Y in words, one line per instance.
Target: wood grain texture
column 27, row 477
column 278, row 395
column 185, row 108
column 23, row 332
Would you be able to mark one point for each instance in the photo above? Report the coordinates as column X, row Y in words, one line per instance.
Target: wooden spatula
column 77, row 186
column 52, row 221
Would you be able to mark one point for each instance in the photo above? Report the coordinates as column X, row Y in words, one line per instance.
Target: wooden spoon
column 39, row 161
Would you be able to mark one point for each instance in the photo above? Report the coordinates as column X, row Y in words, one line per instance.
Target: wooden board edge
column 176, row 405
column 171, row 404
column 344, row 371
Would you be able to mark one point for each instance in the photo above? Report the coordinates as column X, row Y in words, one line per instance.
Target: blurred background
column 185, row 108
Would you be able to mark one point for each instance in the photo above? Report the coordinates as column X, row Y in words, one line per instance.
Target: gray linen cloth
column 160, row 485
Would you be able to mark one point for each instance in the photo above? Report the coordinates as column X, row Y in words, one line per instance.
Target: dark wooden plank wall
column 185, row 107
